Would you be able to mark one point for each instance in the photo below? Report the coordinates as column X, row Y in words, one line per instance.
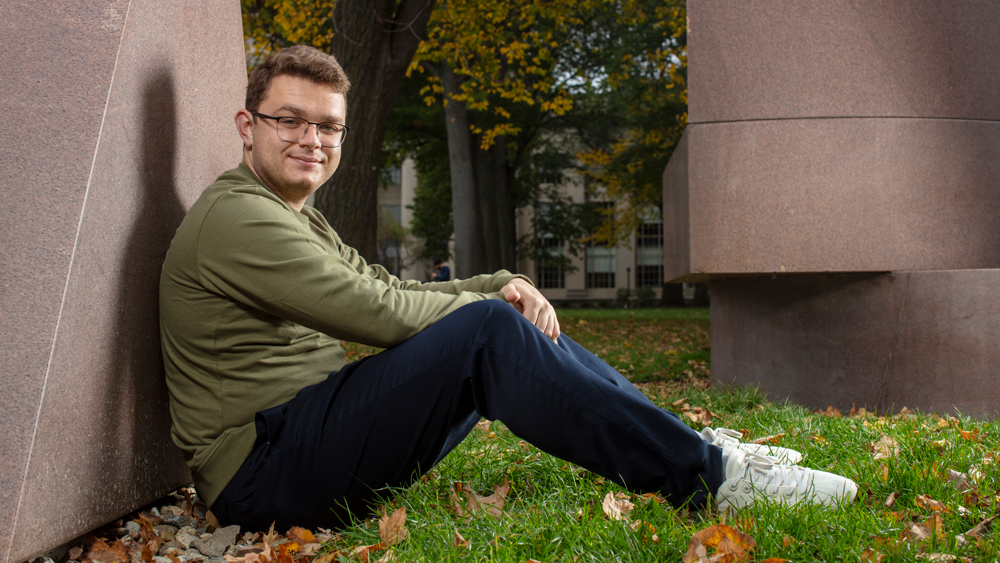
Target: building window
column 649, row 254
column 550, row 273
column 390, row 238
column 600, row 266
column 601, row 258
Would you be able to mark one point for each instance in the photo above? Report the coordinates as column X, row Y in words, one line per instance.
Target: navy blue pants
column 387, row 419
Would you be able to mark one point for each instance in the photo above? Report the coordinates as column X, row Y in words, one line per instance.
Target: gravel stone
column 133, row 528
column 169, row 547
column 216, row 545
column 158, row 559
column 165, row 531
column 181, row 521
column 185, row 536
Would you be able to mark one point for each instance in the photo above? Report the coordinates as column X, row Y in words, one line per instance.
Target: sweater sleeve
column 484, row 283
column 262, row 255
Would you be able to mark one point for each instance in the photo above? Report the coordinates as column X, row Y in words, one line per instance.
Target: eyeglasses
column 292, row 129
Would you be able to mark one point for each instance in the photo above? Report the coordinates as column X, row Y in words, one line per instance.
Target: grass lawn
column 907, row 507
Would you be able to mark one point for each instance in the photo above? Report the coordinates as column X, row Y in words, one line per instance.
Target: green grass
column 553, row 512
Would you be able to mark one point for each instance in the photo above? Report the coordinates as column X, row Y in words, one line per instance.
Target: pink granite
column 923, row 340
column 130, row 106
column 791, row 59
column 677, row 213
column 841, row 195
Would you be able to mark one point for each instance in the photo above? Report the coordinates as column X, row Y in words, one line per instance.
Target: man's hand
column 533, row 305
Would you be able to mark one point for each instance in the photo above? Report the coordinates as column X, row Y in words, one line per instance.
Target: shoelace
column 725, row 435
column 795, row 479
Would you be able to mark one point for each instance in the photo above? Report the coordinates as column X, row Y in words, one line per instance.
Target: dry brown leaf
column 679, row 402
column 270, row 537
column 885, row 448
column 906, row 413
column 817, row 438
column 891, row 499
column 301, row 535
column 872, row 556
column 326, row 558
column 392, row 528
column 830, row 411
column 388, row 557
column 616, row 508
column 937, row 556
column 772, row 440
column 928, row 503
column 974, row 435
column 960, row 480
column 459, row 541
column 730, row 544
column 364, row 552
column 493, row 504
column 310, row 548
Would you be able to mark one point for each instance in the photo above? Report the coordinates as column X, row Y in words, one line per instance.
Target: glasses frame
column 306, row 132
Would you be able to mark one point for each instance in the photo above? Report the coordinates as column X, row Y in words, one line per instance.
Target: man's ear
column 244, row 125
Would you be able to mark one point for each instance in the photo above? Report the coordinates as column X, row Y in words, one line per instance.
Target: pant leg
column 381, row 422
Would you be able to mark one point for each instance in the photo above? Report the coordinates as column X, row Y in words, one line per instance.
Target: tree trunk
column 465, row 209
column 374, row 40
column 506, row 217
column 487, row 186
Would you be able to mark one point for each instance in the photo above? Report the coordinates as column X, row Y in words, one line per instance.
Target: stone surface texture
column 838, row 184
column 793, row 59
column 923, row 340
column 839, row 136
column 129, row 107
column 844, row 195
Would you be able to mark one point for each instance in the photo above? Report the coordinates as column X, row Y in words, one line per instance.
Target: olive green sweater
column 254, row 299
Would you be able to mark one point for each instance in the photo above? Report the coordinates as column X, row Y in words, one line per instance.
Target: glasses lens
column 330, row 134
column 292, row 129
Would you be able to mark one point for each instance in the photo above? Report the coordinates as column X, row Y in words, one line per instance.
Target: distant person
column 441, row 272
column 257, row 291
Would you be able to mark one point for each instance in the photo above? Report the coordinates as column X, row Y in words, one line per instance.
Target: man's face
column 292, row 169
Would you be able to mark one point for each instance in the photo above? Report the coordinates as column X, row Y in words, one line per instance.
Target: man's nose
column 311, row 137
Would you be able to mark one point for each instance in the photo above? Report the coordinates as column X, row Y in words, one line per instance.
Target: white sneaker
column 750, row 477
column 729, row 440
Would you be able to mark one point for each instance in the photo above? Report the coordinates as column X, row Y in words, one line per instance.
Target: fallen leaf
column 928, row 503
column 616, row 508
column 459, row 541
column 363, row 552
column 817, row 438
column 270, row 537
column 891, row 499
column 772, row 440
column 885, row 448
column 726, row 541
column 830, row 411
column 387, row 557
column 960, row 480
column 872, row 556
column 937, row 556
column 392, row 528
column 301, row 535
column 974, row 435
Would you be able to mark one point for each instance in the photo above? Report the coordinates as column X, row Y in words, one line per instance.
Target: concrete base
column 924, row 340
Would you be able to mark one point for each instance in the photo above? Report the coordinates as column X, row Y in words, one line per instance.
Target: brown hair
column 302, row 61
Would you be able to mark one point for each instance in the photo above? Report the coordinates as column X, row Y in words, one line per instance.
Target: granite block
column 924, row 340
column 835, row 195
column 131, row 106
column 792, row 59
column 676, row 213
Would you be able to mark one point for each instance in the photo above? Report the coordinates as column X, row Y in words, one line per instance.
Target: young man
column 257, row 290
